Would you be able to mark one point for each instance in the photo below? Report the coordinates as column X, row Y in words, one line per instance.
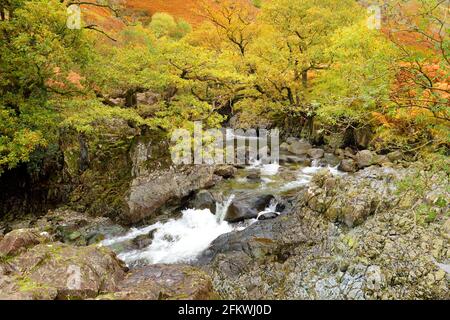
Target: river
column 183, row 239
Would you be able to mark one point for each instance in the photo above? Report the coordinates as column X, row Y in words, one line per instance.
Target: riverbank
column 301, row 229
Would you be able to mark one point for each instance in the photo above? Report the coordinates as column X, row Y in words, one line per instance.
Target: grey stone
column 364, row 158
column 316, row 153
column 347, row 165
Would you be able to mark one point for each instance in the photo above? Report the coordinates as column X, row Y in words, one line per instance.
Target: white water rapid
column 178, row 240
column 183, row 239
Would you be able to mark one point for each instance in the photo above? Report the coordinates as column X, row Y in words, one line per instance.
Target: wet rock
column 268, row 216
column 247, row 207
column 77, row 228
column 330, row 159
column 151, row 192
column 283, row 158
column 300, row 255
column 254, row 175
column 204, row 200
column 225, row 171
column 316, row 153
column 261, row 240
column 165, row 282
column 144, row 240
column 300, row 160
column 18, row 240
column 299, row 147
column 347, row 165
column 364, row 158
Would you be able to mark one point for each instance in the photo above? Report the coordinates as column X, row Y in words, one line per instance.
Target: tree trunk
column 309, row 127
column 305, row 78
column 130, row 99
column 349, row 138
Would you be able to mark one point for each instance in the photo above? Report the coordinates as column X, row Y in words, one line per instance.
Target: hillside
column 142, row 10
column 185, row 9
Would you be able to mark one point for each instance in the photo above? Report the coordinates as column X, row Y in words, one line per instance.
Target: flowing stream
column 183, row 239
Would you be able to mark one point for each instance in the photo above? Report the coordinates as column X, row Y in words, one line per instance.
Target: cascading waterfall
column 178, row 240
column 183, row 239
column 130, row 235
column 271, row 208
column 222, row 208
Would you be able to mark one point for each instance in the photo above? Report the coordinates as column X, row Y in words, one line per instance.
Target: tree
column 164, row 25
column 292, row 48
column 419, row 29
column 38, row 58
column 130, row 66
column 232, row 20
column 359, row 83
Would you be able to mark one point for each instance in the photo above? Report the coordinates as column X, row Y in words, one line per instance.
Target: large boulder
column 316, row 153
column 291, row 140
column 99, row 166
column 225, row 171
column 14, row 288
column 351, row 199
column 203, row 200
column 300, row 160
column 150, row 192
column 304, row 255
column 247, row 207
column 329, row 159
column 364, row 158
column 299, row 147
column 18, row 240
column 259, row 241
column 60, row 271
column 347, row 165
column 127, row 173
column 165, row 282
column 395, row 156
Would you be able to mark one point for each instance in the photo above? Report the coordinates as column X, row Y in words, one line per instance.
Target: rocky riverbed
column 321, row 224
